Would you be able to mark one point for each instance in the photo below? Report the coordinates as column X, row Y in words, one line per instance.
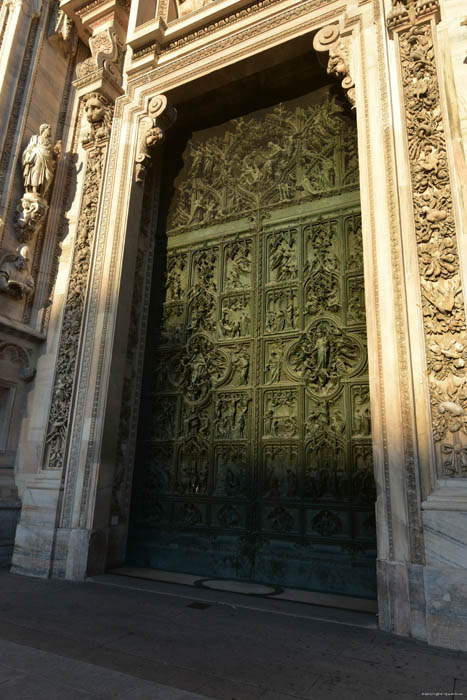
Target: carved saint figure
column 38, row 162
column 15, row 278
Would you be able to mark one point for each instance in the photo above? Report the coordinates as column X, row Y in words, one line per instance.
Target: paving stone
column 34, row 688
column 230, row 649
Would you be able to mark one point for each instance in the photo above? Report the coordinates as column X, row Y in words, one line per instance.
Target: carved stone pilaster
column 329, row 39
column 99, row 113
column 442, row 297
column 161, row 116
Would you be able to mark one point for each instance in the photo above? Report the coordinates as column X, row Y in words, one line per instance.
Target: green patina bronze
column 255, row 456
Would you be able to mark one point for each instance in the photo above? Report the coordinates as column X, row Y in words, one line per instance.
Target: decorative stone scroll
column 329, row 39
column 438, row 256
column 161, row 116
column 99, row 113
column 39, row 163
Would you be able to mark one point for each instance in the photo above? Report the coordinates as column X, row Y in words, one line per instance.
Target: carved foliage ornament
column 99, row 115
column 438, row 255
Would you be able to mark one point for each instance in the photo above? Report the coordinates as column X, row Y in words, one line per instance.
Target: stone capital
column 406, row 13
column 102, row 25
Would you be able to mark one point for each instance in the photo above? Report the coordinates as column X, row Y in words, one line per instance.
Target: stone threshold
column 328, row 600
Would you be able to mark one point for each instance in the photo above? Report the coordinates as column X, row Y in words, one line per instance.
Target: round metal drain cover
column 238, row 587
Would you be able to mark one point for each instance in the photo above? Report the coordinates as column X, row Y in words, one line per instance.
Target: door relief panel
column 255, row 439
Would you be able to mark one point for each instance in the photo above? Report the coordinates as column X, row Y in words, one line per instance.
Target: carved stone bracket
column 329, row 39
column 107, row 49
column 438, row 256
column 161, row 116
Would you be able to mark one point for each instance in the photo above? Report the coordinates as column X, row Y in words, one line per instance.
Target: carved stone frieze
column 161, row 116
column 438, row 256
column 99, row 116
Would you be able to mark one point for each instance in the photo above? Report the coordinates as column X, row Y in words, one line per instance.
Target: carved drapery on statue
column 256, row 420
column 443, row 300
column 99, row 117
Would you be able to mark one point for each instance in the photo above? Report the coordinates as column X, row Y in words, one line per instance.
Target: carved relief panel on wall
column 257, row 383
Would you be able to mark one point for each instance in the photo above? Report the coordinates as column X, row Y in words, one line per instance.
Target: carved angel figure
column 15, row 278
column 39, row 162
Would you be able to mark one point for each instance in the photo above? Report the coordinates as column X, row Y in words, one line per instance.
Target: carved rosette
column 438, row 256
column 99, row 113
column 329, row 39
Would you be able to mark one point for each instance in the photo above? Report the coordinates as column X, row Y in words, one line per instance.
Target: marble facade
column 107, row 77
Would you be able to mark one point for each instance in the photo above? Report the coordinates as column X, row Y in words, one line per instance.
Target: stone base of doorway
column 328, row 600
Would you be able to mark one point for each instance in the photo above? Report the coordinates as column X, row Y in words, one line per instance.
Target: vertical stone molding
column 99, row 112
column 438, row 256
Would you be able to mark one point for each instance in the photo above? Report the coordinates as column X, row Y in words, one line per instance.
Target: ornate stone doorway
column 255, row 456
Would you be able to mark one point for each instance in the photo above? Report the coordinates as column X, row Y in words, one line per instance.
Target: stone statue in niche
column 186, row 7
column 38, row 162
column 15, row 276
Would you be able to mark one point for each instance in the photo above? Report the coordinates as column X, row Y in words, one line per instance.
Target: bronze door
column 255, row 456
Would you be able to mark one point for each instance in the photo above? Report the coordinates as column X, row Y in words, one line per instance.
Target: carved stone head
column 94, row 108
column 45, row 132
column 22, row 257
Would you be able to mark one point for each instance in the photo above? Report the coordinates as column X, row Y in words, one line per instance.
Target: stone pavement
column 130, row 639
